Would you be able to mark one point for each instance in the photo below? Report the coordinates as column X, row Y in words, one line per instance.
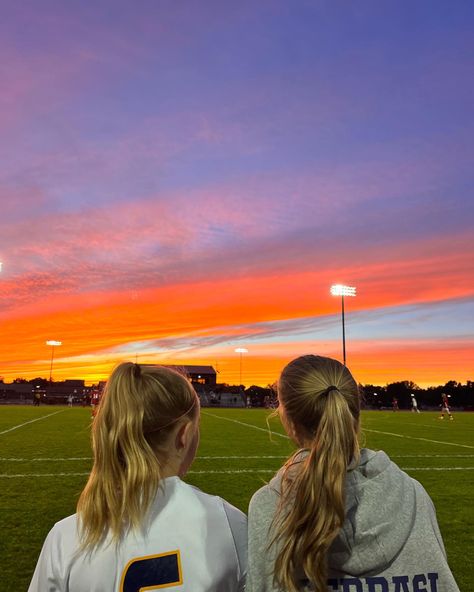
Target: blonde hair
column 140, row 407
column 320, row 401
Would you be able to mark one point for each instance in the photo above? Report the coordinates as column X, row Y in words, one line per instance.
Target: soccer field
column 45, row 459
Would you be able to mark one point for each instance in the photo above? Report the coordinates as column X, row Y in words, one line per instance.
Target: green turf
column 30, row 504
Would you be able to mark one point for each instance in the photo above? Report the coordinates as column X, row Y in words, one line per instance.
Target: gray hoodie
column 390, row 540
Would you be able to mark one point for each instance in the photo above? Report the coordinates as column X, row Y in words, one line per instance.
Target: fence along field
column 45, row 459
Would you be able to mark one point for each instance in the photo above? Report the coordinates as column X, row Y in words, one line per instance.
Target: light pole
column 341, row 290
column 53, row 344
column 240, row 351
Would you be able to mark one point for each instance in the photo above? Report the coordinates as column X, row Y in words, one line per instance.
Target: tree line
column 373, row 396
column 378, row 396
column 460, row 395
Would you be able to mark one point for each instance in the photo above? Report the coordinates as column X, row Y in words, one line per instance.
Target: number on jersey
column 152, row 572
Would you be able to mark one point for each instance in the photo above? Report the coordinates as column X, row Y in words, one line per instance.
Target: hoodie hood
column 380, row 513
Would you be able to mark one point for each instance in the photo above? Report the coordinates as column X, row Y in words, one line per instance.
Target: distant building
column 16, row 392
column 56, row 392
column 205, row 376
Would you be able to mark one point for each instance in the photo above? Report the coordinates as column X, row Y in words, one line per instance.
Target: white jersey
column 191, row 541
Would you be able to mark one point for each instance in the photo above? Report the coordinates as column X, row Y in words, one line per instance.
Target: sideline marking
column 232, row 457
column 31, row 421
column 432, row 456
column 225, row 472
column 44, row 475
column 39, row 459
column 249, row 425
column 416, row 438
column 437, row 468
column 80, row 458
column 261, row 457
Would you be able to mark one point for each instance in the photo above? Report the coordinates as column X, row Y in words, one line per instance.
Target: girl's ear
column 183, row 435
column 287, row 423
column 289, row 426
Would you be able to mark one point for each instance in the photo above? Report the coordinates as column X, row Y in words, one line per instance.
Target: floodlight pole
column 341, row 290
column 53, row 344
column 240, row 351
column 343, row 332
column 51, row 367
column 240, row 371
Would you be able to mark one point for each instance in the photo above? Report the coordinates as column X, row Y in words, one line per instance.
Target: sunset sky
column 180, row 179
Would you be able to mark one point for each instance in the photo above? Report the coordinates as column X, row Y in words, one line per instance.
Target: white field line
column 45, row 459
column 445, row 425
column 31, row 421
column 416, row 438
column 12, row 476
column 79, row 458
column 261, row 457
column 432, row 456
column 221, row 472
column 249, row 425
column 233, row 457
column 437, row 468
column 237, row 471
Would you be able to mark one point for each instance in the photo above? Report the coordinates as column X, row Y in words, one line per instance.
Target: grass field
column 45, row 458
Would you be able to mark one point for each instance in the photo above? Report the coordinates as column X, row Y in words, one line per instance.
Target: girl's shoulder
column 65, row 531
column 271, row 491
column 264, row 502
column 215, row 505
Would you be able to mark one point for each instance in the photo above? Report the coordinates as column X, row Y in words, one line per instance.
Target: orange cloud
column 94, row 328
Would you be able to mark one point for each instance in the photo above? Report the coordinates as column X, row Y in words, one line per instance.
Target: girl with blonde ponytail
column 138, row 525
column 337, row 517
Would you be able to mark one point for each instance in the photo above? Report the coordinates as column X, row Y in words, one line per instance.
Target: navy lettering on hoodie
column 422, row 579
column 419, row 583
column 352, row 585
column 401, row 583
column 377, row 584
column 433, row 578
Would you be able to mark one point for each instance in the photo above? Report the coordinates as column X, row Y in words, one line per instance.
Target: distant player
column 395, row 404
column 138, row 525
column 95, row 400
column 414, row 404
column 445, row 407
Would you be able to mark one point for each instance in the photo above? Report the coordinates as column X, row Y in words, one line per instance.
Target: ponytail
column 312, row 508
column 138, row 410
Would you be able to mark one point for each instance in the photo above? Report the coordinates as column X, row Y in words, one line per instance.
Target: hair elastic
column 329, row 389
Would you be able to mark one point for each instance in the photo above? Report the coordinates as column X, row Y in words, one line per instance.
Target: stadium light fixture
column 240, row 351
column 53, row 344
column 341, row 290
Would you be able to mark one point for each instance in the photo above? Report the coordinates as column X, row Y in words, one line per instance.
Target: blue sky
column 250, row 155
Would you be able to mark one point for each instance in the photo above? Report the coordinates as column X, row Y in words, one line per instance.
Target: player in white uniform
column 138, row 525
column 414, row 404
